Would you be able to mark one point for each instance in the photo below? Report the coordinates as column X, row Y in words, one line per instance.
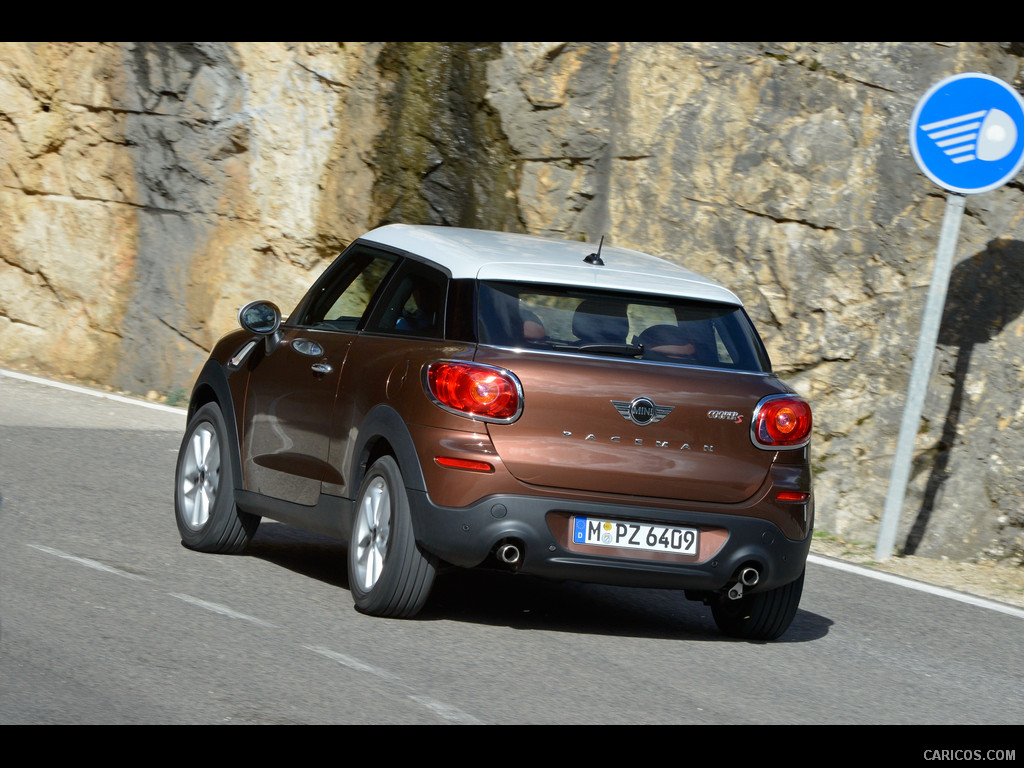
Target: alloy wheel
column 200, row 476
column 373, row 528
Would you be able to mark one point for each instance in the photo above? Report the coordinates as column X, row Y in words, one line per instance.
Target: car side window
column 347, row 292
column 413, row 303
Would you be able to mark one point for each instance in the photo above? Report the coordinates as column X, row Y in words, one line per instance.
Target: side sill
column 330, row 516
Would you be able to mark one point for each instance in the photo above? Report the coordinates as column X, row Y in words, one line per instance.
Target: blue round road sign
column 967, row 133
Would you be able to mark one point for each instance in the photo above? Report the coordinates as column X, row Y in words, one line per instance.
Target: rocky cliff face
column 149, row 189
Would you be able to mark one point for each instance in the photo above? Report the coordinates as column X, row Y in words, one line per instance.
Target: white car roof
column 475, row 253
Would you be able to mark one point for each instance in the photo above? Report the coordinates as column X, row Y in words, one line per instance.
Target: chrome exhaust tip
column 509, row 554
column 747, row 577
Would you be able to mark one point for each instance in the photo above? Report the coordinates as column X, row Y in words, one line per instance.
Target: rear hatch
column 572, row 433
column 636, row 394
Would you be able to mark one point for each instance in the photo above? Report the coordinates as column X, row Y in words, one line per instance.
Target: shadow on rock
column 986, row 293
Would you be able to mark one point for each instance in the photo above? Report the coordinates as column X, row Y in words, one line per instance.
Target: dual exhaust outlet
column 510, row 554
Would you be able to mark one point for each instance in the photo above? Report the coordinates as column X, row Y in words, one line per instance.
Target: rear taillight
column 478, row 391
column 781, row 421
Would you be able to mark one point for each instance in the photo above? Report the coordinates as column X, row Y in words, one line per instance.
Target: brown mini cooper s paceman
column 456, row 397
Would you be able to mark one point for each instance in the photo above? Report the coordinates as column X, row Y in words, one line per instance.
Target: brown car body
column 315, row 416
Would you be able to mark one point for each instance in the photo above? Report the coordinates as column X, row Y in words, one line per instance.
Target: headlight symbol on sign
column 975, row 136
column 966, row 133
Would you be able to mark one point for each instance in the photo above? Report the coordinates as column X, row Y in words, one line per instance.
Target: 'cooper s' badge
column 642, row 410
column 734, row 416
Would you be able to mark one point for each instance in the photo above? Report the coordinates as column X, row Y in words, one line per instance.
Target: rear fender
column 384, row 431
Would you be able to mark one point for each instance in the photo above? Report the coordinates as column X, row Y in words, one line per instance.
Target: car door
column 292, row 390
column 405, row 327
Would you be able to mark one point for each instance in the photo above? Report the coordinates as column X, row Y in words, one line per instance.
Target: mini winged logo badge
column 642, row 410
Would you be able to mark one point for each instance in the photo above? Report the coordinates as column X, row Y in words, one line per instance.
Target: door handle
column 321, row 368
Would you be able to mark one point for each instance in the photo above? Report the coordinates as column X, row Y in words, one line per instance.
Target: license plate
column 652, row 538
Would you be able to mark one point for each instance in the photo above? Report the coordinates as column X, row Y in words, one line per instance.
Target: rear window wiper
column 625, row 350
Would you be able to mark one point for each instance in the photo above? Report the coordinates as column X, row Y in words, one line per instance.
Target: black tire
column 761, row 615
column 388, row 574
column 204, row 490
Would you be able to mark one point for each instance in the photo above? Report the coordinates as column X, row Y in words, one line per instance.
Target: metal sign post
column 967, row 135
column 919, row 376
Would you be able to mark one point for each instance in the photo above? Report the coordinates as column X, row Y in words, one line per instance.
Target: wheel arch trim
column 384, row 423
column 212, row 387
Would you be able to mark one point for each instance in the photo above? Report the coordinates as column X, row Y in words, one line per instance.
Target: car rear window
column 663, row 329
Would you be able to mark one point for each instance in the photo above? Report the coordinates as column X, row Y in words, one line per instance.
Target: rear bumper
column 540, row 527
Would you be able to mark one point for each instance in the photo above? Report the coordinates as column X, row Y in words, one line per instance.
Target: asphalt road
column 106, row 618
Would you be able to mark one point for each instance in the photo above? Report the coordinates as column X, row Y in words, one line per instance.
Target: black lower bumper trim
column 467, row 536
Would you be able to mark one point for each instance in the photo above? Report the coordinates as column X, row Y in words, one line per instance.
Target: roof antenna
column 595, row 258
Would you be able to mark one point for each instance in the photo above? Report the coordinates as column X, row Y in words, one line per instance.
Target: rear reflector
column 476, row 466
column 781, row 421
column 792, row 496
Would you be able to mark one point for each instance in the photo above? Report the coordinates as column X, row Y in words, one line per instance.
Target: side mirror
column 262, row 318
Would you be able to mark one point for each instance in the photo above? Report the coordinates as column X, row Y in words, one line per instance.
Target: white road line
column 223, row 610
column 88, row 563
column 352, row 663
column 92, row 392
column 920, row 586
column 439, row 708
column 446, row 711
